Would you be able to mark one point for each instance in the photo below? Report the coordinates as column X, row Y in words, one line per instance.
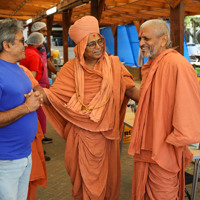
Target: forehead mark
column 94, row 36
column 141, row 34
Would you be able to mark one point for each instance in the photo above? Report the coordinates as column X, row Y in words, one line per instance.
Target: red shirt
column 33, row 61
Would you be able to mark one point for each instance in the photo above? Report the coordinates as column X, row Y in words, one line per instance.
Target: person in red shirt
column 33, row 61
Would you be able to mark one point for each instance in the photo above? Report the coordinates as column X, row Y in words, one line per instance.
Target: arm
column 133, row 93
column 50, row 66
column 32, row 103
column 41, row 91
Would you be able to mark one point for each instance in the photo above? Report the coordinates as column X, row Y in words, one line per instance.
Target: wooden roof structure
column 108, row 12
column 113, row 12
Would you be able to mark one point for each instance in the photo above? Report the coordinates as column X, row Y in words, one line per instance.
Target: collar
column 33, row 48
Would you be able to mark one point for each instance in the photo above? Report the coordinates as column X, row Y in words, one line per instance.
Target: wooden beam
column 64, row 5
column 137, row 25
column 177, row 27
column 21, row 6
column 173, row 3
column 66, row 16
column 100, row 9
column 94, row 8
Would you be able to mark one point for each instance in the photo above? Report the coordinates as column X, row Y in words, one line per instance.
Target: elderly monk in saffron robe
column 166, row 117
column 87, row 104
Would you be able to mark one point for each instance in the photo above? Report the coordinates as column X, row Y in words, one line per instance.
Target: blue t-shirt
column 16, row 138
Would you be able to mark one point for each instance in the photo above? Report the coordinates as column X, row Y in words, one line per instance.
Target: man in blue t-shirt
column 18, row 117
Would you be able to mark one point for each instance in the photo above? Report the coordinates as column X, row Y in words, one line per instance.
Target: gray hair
column 8, row 29
column 160, row 28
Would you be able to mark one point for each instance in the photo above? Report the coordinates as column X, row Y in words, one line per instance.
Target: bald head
column 159, row 27
column 153, row 38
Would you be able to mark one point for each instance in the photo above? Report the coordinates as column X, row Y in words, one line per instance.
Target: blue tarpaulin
column 127, row 44
column 109, row 39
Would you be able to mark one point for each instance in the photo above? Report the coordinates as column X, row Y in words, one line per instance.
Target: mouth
column 143, row 48
column 98, row 53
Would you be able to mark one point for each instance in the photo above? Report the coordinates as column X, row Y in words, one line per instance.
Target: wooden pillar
column 29, row 29
column 66, row 16
column 94, row 8
column 137, row 25
column 114, row 31
column 49, row 30
column 100, row 9
column 177, row 26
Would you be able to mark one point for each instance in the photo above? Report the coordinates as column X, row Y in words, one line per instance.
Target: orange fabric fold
column 148, row 182
column 92, row 138
column 166, row 116
column 171, row 93
column 38, row 171
column 105, row 89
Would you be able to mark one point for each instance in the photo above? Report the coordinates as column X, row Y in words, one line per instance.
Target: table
column 196, row 157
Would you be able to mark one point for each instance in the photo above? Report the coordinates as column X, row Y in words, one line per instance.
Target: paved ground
column 58, row 183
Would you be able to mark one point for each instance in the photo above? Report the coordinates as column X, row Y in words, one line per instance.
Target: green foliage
column 192, row 18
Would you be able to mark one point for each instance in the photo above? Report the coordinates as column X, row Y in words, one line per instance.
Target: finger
column 37, row 93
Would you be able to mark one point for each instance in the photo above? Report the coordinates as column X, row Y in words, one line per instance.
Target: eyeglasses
column 21, row 40
column 93, row 44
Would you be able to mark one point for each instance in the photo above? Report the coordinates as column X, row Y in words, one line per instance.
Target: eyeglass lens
column 93, row 43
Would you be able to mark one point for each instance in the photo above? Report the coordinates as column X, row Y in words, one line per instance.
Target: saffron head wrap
column 83, row 27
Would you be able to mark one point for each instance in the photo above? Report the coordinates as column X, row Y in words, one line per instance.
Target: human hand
column 33, row 100
column 36, row 93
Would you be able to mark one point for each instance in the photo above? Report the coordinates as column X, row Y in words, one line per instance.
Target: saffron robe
column 165, row 123
column 92, row 156
column 38, row 174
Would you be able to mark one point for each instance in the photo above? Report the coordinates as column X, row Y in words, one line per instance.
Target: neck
column 90, row 63
column 6, row 57
column 155, row 56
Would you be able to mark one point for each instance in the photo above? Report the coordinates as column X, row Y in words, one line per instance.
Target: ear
column 164, row 40
column 6, row 45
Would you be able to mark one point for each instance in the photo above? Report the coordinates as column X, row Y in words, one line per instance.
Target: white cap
column 35, row 39
column 37, row 26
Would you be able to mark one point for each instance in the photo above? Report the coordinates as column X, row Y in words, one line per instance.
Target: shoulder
column 175, row 60
column 115, row 62
column 114, row 59
column 69, row 64
column 68, row 68
column 175, row 63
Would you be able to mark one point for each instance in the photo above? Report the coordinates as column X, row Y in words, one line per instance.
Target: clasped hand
column 33, row 100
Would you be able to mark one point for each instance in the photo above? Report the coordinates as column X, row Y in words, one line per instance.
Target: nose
column 25, row 44
column 97, row 46
column 141, row 42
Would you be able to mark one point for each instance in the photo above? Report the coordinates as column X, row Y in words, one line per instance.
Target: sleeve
column 127, row 78
column 186, row 113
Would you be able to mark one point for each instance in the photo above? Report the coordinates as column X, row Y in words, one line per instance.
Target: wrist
column 27, row 108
